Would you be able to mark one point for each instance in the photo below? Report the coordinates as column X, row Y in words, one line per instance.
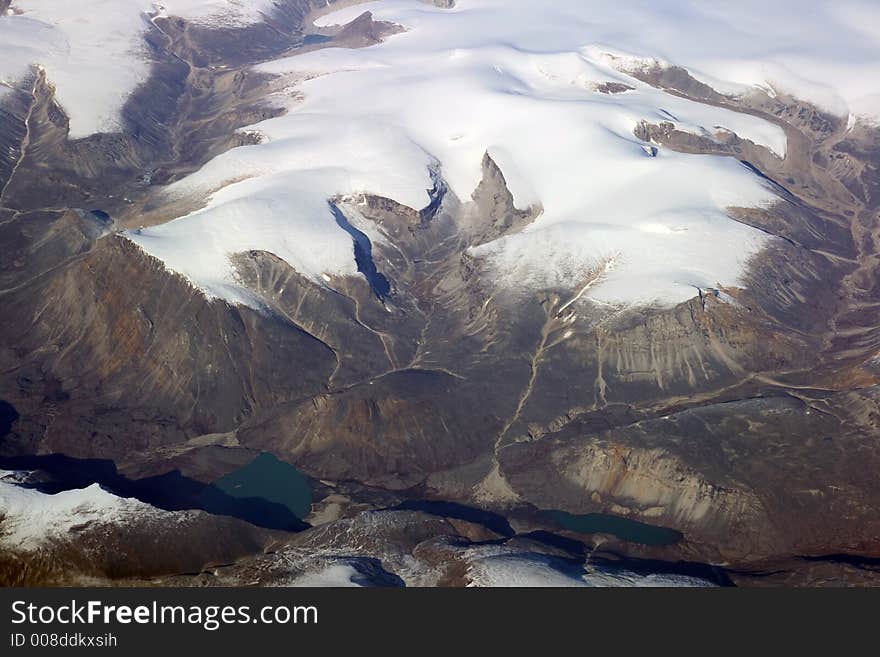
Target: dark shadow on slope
column 493, row 521
column 171, row 491
column 370, row 572
column 708, row 572
column 854, row 560
column 8, row 417
column 363, row 255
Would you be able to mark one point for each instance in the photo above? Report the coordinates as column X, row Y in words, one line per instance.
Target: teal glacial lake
column 623, row 528
column 271, row 480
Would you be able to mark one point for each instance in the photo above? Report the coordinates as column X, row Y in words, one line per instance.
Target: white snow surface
column 30, row 518
column 217, row 13
column 503, row 567
column 824, row 52
column 94, row 50
column 517, row 81
column 512, row 77
column 333, row 575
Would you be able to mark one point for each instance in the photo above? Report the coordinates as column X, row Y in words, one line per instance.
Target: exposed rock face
column 813, row 284
column 120, row 333
column 745, row 418
column 199, row 92
column 649, row 483
column 364, row 31
column 105, row 367
column 170, row 543
column 14, row 120
column 728, row 474
column 494, row 212
column 392, row 432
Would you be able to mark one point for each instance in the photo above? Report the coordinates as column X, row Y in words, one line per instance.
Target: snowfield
column 502, row 567
column 824, row 52
column 515, row 78
column 827, row 53
column 520, row 85
column 332, row 575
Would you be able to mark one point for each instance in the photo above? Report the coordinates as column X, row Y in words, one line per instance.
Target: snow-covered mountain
column 92, row 535
column 30, row 519
column 458, row 83
column 455, row 85
column 590, row 278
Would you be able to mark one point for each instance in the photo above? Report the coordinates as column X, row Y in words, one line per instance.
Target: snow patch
column 333, row 575
column 94, row 50
column 29, row 518
column 345, row 15
column 504, row 567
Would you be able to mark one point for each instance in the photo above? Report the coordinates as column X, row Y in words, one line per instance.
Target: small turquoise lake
column 271, row 486
column 623, row 528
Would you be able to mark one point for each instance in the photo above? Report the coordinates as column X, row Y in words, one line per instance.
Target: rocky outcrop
column 729, row 475
column 391, row 431
column 86, row 535
column 493, row 211
column 421, row 549
column 129, row 356
column 648, row 484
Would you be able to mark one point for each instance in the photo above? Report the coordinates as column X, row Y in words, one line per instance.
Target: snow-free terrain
column 825, row 52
